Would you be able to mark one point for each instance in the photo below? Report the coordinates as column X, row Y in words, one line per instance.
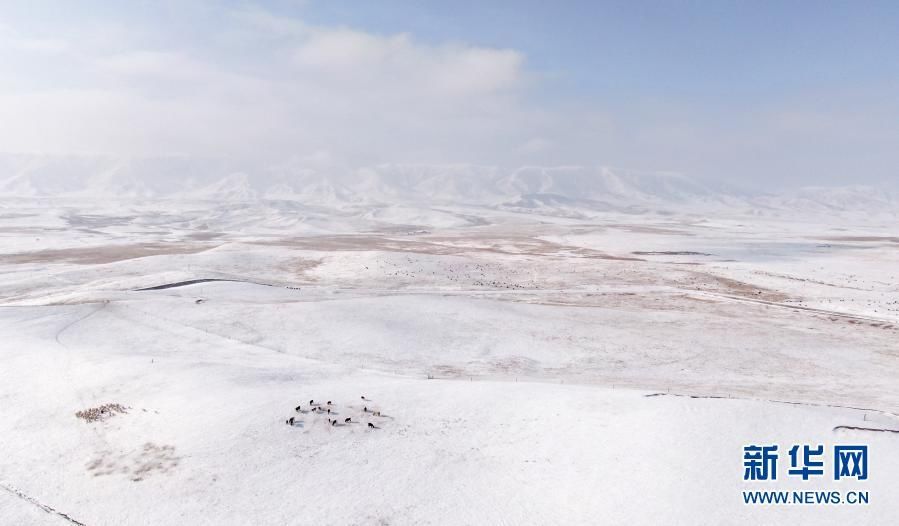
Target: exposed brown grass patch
column 102, row 254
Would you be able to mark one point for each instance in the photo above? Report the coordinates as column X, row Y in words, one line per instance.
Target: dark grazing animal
column 347, row 420
column 371, row 425
column 297, row 408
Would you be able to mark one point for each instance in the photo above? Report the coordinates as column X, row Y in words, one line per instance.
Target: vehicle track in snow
column 77, row 321
column 487, row 292
column 47, row 508
column 774, row 401
column 886, row 322
column 201, row 280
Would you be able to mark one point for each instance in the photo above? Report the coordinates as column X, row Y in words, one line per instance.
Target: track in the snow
column 197, row 281
column 49, row 509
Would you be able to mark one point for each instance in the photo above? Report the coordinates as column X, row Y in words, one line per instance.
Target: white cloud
column 12, row 39
column 535, row 145
column 357, row 95
column 343, row 50
column 262, row 20
column 149, row 63
column 398, row 61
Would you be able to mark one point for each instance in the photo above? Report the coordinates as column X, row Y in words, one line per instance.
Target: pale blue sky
column 775, row 93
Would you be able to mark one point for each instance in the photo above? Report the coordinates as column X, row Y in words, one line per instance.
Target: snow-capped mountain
column 562, row 189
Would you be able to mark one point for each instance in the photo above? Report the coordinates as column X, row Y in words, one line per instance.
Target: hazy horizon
column 768, row 95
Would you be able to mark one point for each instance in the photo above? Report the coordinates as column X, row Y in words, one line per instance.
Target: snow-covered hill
column 561, row 190
column 535, row 358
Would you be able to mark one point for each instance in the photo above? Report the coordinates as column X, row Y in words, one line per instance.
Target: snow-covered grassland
column 532, row 363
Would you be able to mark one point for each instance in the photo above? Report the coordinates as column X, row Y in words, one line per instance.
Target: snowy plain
column 538, row 361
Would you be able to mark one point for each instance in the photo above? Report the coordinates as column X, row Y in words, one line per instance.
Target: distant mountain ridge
column 528, row 188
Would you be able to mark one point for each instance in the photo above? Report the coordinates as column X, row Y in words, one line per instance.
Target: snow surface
column 561, row 364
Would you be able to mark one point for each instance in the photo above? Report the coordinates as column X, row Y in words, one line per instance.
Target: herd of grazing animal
column 317, row 408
